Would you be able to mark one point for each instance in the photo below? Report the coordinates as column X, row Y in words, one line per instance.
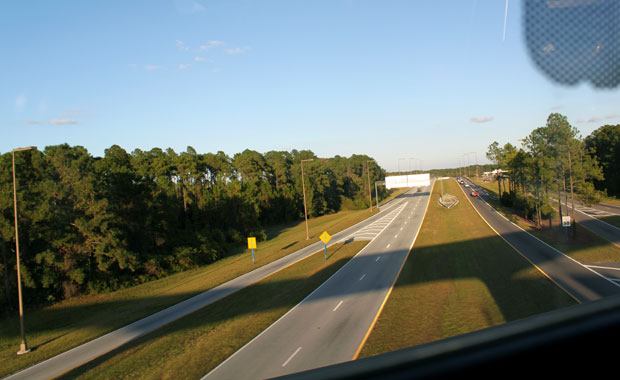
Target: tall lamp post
column 303, row 188
column 476, row 157
column 411, row 158
column 467, row 170
column 369, row 190
column 399, row 173
column 23, row 347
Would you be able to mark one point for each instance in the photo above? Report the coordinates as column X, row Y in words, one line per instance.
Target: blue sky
column 430, row 80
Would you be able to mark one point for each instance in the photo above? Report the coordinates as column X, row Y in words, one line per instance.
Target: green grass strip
column 193, row 345
column 58, row 328
column 460, row 277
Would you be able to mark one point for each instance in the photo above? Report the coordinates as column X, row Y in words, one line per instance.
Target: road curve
column 329, row 325
column 86, row 352
column 579, row 281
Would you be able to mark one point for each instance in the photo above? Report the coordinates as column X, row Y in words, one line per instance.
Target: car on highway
column 466, row 185
column 474, row 193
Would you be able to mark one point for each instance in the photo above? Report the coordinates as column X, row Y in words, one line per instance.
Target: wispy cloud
column 611, row 116
column 200, row 59
column 483, row 119
column 183, row 66
column 20, row 102
column 62, row 121
column 211, row 44
column 189, row 6
column 181, row 45
column 558, row 107
column 78, row 112
column 152, row 67
column 594, row 119
column 238, row 50
column 53, row 122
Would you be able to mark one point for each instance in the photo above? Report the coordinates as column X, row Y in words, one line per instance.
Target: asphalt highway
column 77, row 356
column 589, row 218
column 329, row 325
column 581, row 282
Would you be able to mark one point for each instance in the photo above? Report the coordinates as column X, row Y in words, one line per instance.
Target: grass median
column 192, row 346
column 58, row 328
column 459, row 277
column 581, row 244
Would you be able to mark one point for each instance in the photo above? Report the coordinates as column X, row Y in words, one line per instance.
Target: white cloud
column 611, row 116
column 182, row 45
column 558, row 107
column 239, row 50
column 211, row 44
column 199, row 59
column 77, row 112
column 151, row 67
column 183, row 66
column 53, row 122
column 62, row 121
column 189, row 7
column 483, row 119
column 594, row 119
column 20, row 102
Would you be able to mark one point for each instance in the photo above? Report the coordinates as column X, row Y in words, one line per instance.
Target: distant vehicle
column 466, row 185
column 474, row 193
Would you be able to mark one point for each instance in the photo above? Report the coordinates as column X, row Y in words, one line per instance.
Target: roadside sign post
column 566, row 222
column 252, row 245
column 325, row 238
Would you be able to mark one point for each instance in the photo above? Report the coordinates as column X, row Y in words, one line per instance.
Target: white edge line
column 372, row 326
column 553, row 248
column 601, row 267
column 291, row 357
column 602, row 221
column 337, row 306
column 294, row 307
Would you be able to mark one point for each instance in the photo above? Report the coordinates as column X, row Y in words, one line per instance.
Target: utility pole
column 23, row 347
column 369, row 187
column 399, row 172
column 303, row 188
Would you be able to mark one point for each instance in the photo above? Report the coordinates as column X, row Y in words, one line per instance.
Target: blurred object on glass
column 575, row 40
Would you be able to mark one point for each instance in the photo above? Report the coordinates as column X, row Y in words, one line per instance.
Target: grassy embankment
column 584, row 246
column 459, row 277
column 55, row 329
column 193, row 345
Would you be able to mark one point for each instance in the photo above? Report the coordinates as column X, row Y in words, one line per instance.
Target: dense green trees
column 553, row 164
column 604, row 145
column 93, row 224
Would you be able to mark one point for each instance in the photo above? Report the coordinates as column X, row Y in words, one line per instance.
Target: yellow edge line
column 372, row 325
column 515, row 248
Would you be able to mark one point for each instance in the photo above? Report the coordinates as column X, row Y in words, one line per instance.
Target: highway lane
column 329, row 325
column 77, row 356
column 599, row 227
column 581, row 282
column 589, row 217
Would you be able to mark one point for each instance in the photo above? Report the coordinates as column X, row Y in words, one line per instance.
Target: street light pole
column 303, row 189
column 23, row 347
column 399, row 172
column 476, row 156
column 369, row 187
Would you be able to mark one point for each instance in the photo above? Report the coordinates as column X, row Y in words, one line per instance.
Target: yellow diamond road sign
column 325, row 237
column 251, row 243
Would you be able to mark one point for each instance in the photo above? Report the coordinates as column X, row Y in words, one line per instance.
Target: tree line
column 555, row 162
column 95, row 224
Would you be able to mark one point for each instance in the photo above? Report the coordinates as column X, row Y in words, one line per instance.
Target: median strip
column 459, row 277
